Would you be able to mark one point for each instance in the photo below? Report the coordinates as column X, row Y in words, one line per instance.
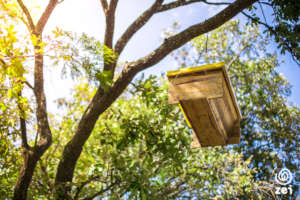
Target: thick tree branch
column 45, row 16
column 28, row 16
column 136, row 25
column 110, row 23
column 41, row 106
column 104, row 5
column 176, row 4
column 109, row 32
column 23, row 132
column 25, row 175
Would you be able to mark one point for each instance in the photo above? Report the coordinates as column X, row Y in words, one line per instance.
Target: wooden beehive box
column 208, row 102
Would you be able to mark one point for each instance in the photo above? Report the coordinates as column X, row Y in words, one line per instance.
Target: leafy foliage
column 83, row 56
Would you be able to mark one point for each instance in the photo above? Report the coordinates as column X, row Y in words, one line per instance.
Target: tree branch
column 101, row 191
column 23, row 125
column 176, row 4
column 180, row 3
column 216, row 3
column 110, row 23
column 109, row 32
column 272, row 31
column 104, row 5
column 3, row 62
column 136, row 25
column 23, row 133
column 41, row 105
column 266, row 3
column 260, row 22
column 144, row 18
column 28, row 16
column 84, row 184
column 236, row 56
column 172, row 188
column 29, row 85
column 45, row 16
column 262, row 10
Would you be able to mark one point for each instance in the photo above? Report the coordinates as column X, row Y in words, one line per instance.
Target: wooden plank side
column 231, row 93
column 172, row 99
column 195, row 87
column 203, row 122
column 229, row 103
column 221, row 115
column 235, row 134
column 226, row 116
column 197, row 77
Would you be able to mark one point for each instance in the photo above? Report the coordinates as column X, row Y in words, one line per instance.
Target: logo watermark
column 283, row 178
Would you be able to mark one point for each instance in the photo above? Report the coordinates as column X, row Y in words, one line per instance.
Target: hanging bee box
column 208, row 102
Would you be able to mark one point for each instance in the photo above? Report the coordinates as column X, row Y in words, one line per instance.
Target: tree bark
column 25, row 176
column 30, row 159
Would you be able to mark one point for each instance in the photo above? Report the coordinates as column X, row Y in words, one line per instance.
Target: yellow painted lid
column 195, row 69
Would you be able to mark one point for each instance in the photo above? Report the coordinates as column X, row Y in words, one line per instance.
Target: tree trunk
column 26, row 173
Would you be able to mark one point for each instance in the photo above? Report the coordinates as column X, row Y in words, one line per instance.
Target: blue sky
column 87, row 16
